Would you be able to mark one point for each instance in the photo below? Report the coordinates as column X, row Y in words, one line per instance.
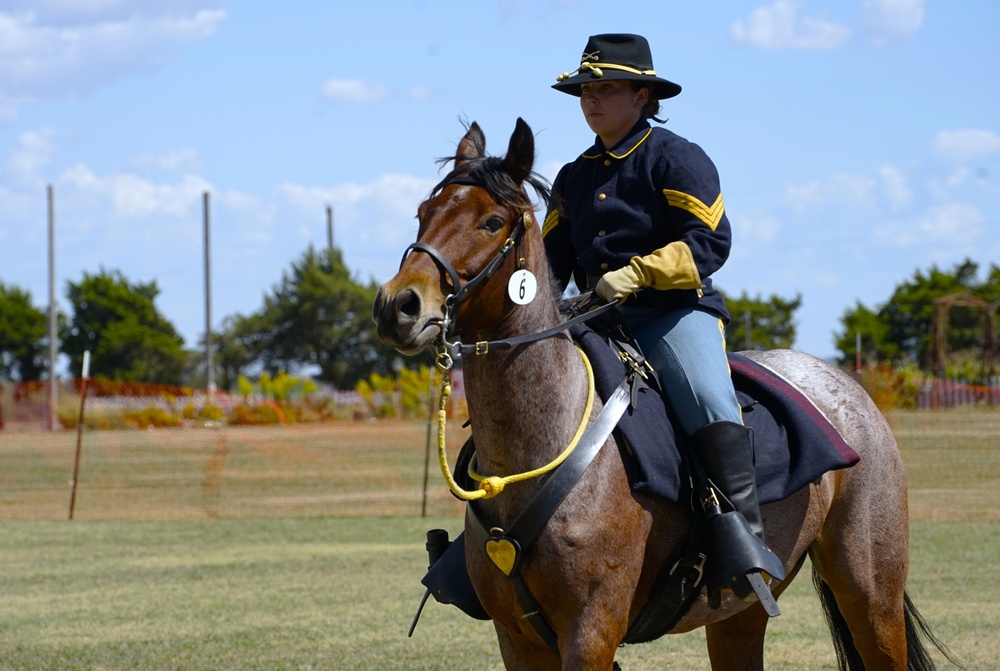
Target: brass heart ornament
column 504, row 552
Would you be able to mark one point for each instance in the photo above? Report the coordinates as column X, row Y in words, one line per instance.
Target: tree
column 127, row 337
column 900, row 331
column 876, row 345
column 229, row 354
column 771, row 322
column 316, row 316
column 23, row 340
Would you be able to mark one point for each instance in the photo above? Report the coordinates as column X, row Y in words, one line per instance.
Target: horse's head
column 475, row 230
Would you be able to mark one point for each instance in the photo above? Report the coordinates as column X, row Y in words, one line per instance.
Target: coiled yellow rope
column 493, row 485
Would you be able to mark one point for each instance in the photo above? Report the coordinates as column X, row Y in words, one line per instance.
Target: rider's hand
column 617, row 285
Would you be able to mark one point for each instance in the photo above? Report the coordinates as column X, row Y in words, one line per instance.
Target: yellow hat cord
column 493, row 485
column 599, row 71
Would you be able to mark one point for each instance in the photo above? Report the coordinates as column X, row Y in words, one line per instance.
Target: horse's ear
column 521, row 152
column 473, row 145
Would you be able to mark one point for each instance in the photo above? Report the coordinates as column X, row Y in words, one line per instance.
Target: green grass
column 340, row 593
column 267, row 563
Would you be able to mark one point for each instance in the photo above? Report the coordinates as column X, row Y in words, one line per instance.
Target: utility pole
column 209, row 366
column 857, row 351
column 53, row 395
column 747, row 323
column 329, row 227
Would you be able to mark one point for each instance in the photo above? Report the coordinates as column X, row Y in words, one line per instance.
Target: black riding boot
column 725, row 450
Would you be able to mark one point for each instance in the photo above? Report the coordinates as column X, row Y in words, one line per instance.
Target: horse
column 593, row 565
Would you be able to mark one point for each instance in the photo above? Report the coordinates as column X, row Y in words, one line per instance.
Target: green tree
column 876, row 345
column 771, row 322
column 229, row 354
column 317, row 316
column 23, row 341
column 127, row 336
column 901, row 330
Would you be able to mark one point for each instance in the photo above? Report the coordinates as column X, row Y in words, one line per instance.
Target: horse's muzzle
column 403, row 321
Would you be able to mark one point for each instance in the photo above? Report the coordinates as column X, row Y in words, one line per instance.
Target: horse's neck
column 525, row 403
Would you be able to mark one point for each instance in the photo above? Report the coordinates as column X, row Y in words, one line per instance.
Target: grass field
column 337, row 469
column 269, row 590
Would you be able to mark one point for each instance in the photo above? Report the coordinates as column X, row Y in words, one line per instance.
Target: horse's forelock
column 489, row 172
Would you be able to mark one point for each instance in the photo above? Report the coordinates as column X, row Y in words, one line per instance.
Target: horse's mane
column 489, row 173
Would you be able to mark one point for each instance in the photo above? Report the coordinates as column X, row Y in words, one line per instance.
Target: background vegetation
column 316, row 322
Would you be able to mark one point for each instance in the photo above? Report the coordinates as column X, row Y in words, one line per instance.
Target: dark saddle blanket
column 794, row 442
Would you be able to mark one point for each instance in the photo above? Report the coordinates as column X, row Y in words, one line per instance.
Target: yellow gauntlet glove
column 617, row 285
column 671, row 267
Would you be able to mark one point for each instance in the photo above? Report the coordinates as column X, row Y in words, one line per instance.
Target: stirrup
column 760, row 590
column 740, row 561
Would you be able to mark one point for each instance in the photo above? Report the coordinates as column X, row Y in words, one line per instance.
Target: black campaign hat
column 616, row 57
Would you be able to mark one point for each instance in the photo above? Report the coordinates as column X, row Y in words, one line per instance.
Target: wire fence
column 154, row 452
column 171, row 455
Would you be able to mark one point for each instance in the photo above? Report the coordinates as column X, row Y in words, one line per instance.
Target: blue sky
column 858, row 141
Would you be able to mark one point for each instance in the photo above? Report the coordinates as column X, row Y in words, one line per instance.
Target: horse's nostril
column 408, row 303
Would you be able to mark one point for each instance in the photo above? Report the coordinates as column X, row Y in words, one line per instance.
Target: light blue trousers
column 687, row 348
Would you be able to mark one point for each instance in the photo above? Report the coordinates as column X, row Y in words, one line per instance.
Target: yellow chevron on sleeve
column 710, row 215
column 551, row 221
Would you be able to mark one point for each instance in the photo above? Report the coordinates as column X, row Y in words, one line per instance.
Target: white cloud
column 753, row 229
column 370, row 218
column 353, row 91
column 421, row 93
column 32, row 155
column 779, row 26
column 181, row 160
column 132, row 196
column 894, row 188
column 60, row 49
column 948, row 225
column 887, row 21
column 967, row 144
column 391, row 193
column 842, row 188
column 69, row 12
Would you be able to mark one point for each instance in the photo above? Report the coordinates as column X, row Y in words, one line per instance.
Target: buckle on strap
column 482, row 347
column 697, row 566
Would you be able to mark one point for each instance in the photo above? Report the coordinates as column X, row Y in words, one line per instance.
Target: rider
column 639, row 218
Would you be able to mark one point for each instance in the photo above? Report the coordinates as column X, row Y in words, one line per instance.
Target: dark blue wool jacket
column 653, row 190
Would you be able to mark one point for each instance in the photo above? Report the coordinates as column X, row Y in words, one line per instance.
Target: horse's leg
column 862, row 555
column 737, row 643
column 518, row 653
column 589, row 647
column 589, row 634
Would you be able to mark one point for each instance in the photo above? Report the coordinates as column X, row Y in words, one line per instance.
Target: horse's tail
column 848, row 659
column 918, row 659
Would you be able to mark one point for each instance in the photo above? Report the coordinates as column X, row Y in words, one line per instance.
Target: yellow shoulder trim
column 710, row 215
column 551, row 221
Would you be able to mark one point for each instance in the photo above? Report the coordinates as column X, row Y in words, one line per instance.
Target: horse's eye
column 492, row 225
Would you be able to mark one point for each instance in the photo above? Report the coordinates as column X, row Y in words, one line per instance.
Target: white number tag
column 522, row 287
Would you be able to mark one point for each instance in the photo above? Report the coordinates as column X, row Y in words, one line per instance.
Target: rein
column 493, row 485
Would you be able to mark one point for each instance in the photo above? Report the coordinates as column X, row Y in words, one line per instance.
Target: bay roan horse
column 595, row 562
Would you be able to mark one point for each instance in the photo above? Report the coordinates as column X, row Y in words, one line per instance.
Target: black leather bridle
column 459, row 291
